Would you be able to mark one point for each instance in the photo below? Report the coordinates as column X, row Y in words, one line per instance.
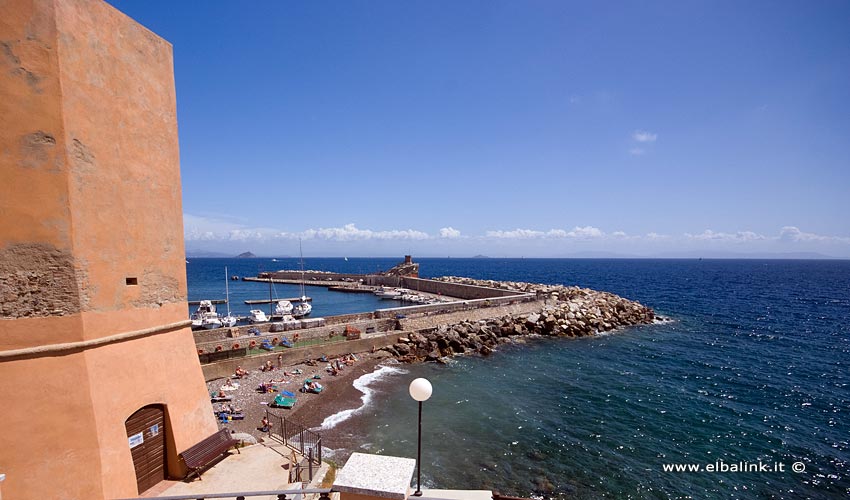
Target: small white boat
column 283, row 307
column 205, row 316
column 302, row 309
column 229, row 321
column 211, row 322
column 257, row 316
column 412, row 297
column 388, row 293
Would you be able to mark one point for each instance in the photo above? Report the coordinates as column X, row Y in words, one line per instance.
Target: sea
column 743, row 393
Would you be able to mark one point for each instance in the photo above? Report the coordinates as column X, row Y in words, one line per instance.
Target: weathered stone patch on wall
column 158, row 289
column 37, row 280
column 37, row 149
column 16, row 68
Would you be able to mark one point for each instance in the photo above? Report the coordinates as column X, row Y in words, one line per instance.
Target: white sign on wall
column 136, row 440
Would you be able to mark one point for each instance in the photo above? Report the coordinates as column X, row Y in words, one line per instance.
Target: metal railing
column 297, row 437
column 324, row 494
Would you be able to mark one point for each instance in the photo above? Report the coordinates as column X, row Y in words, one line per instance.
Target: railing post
column 310, row 464
column 301, row 444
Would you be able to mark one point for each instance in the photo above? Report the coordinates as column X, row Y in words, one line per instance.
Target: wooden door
column 146, row 438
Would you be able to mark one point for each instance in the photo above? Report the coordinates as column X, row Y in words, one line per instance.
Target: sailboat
column 303, row 308
column 229, row 320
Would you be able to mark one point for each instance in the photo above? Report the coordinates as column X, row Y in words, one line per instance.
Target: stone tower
column 101, row 382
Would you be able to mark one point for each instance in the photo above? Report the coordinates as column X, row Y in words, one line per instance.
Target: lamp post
column 420, row 390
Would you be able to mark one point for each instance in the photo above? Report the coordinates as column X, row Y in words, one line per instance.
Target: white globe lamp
column 420, row 390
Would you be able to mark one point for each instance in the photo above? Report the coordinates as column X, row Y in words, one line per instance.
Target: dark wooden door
column 146, row 438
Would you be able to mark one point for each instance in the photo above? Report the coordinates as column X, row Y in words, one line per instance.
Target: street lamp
column 420, row 390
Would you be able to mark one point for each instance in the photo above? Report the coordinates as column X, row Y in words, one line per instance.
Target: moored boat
column 257, row 316
column 302, row 308
column 282, row 307
column 205, row 316
column 388, row 293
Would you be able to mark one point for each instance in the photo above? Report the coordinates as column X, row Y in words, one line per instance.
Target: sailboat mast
column 301, row 252
column 227, row 290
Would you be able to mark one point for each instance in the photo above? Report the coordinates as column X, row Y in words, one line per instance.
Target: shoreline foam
column 362, row 384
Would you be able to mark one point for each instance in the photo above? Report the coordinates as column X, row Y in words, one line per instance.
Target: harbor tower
column 101, row 384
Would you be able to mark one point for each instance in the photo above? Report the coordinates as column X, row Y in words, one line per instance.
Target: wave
column 361, row 384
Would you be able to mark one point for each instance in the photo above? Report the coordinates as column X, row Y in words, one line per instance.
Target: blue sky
column 523, row 128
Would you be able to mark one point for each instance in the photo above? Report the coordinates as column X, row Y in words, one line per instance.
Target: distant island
column 246, row 255
column 481, row 257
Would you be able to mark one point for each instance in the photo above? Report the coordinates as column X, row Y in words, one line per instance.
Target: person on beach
column 265, row 425
column 240, row 372
column 279, row 361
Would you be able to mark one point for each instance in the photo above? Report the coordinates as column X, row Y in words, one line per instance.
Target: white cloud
column 449, row 232
column 791, row 233
column 795, row 235
column 350, row 232
column 526, row 234
column 218, row 231
column 644, row 136
column 199, row 228
column 740, row 236
column 516, row 234
column 585, row 232
column 244, row 235
column 637, row 152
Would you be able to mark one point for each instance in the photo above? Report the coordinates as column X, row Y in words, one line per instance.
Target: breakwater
column 563, row 311
column 475, row 317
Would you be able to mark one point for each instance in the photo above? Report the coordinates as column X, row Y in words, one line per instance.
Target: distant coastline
column 200, row 254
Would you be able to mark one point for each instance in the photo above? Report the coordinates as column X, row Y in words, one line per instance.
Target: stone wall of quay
column 468, row 313
column 207, row 340
column 227, row 367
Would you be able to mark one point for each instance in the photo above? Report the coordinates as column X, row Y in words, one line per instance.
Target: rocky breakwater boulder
column 565, row 312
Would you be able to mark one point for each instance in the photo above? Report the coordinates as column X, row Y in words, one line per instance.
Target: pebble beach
column 338, row 393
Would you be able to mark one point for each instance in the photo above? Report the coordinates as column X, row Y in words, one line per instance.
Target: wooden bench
column 202, row 454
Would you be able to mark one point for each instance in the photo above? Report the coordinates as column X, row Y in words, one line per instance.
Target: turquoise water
column 753, row 368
